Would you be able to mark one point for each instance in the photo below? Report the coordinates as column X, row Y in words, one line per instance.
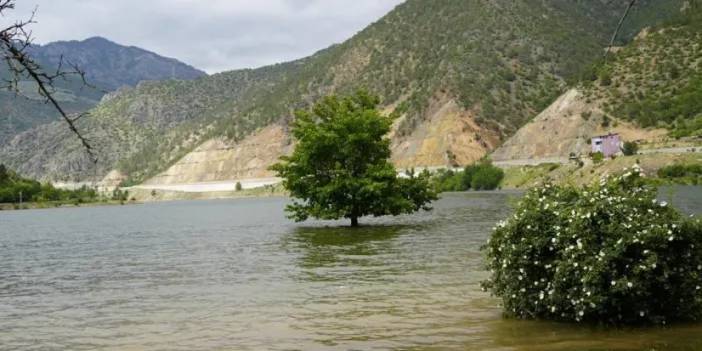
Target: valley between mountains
column 521, row 82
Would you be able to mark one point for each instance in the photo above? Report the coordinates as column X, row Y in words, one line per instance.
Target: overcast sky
column 213, row 35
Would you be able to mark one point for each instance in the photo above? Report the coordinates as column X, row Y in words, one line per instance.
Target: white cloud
column 214, row 35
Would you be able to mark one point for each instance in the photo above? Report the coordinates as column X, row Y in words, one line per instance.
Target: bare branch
column 14, row 43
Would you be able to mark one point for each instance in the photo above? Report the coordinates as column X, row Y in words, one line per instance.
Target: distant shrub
column 605, row 78
column 487, row 177
column 448, row 180
column 238, row 186
column 597, row 157
column 606, row 253
column 630, row 148
column 479, row 176
column 678, row 172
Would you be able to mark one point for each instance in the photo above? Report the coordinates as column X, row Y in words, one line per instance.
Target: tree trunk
column 354, row 221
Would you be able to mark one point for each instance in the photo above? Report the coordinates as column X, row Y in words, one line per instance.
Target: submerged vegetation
column 340, row 167
column 605, row 253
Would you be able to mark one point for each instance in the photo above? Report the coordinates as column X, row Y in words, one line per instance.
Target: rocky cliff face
column 449, row 136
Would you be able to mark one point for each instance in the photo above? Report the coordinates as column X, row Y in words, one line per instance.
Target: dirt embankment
column 219, row 160
column 529, row 176
column 566, row 127
column 447, row 136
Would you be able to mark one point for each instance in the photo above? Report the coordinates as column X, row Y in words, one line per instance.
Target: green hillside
column 657, row 80
column 107, row 66
column 504, row 60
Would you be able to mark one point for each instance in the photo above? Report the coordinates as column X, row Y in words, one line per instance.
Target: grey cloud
column 213, row 35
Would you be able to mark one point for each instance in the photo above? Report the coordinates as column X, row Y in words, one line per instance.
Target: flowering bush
column 607, row 253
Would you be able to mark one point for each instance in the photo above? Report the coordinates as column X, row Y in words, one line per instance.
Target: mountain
column 649, row 91
column 462, row 75
column 108, row 66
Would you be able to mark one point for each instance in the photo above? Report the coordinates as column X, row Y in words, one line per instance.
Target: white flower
column 614, row 283
column 671, row 238
column 664, row 204
column 581, row 313
column 630, row 284
column 642, row 313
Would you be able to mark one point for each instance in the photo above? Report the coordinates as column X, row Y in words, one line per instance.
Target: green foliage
column 606, row 253
column 605, row 78
column 340, row 167
column 120, row 195
column 656, row 81
column 485, row 176
column 238, row 187
column 479, row 176
column 445, row 180
column 630, row 148
column 682, row 173
column 11, row 185
column 505, row 75
column 597, row 157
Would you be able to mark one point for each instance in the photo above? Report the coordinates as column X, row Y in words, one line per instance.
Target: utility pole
column 619, row 27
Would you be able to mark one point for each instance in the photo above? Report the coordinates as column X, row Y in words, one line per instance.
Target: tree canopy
column 340, row 166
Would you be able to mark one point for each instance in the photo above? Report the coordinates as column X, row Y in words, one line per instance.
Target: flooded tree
column 340, row 167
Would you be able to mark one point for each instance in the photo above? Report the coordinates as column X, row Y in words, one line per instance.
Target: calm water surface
column 236, row 275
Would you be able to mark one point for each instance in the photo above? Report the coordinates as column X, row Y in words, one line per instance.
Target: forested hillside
column 649, row 91
column 657, row 80
column 499, row 62
column 108, row 66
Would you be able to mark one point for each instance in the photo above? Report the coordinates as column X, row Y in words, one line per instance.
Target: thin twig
column 14, row 43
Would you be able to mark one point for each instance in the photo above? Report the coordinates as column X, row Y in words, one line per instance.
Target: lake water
column 236, row 275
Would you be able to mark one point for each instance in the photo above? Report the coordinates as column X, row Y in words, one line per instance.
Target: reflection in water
column 342, row 246
column 236, row 275
column 547, row 336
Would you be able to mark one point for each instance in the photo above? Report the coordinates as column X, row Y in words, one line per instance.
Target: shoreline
column 51, row 205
